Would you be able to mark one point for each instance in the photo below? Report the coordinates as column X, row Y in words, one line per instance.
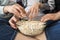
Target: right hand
column 15, row 9
column 34, row 10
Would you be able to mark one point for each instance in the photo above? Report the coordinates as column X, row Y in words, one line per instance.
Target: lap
column 53, row 32
column 6, row 32
column 41, row 36
column 20, row 36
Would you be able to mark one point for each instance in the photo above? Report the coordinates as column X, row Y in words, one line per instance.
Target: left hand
column 13, row 21
column 34, row 10
column 49, row 17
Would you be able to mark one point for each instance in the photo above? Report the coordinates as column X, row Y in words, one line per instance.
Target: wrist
column 57, row 15
column 40, row 5
column 5, row 9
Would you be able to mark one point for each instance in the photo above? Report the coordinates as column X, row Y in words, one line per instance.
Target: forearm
column 58, row 14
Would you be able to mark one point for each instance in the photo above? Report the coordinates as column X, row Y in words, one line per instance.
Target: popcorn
column 31, row 28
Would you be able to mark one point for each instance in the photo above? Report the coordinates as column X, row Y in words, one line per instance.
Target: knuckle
column 9, row 21
column 16, row 4
column 13, row 5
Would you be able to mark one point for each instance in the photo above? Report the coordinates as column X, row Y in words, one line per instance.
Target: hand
column 49, row 17
column 15, row 9
column 34, row 10
column 13, row 21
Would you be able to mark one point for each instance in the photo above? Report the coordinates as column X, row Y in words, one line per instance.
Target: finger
column 30, row 15
column 21, row 9
column 42, row 19
column 16, row 13
column 15, row 18
column 23, row 14
column 12, row 23
column 20, row 6
column 46, row 19
column 10, row 10
column 32, row 12
column 35, row 13
column 37, row 9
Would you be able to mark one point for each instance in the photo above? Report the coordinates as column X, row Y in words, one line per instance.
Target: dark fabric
column 53, row 31
column 57, row 4
column 57, row 7
column 46, row 11
column 20, row 2
column 6, row 32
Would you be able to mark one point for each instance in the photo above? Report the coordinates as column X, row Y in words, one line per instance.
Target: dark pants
column 53, row 31
column 6, row 32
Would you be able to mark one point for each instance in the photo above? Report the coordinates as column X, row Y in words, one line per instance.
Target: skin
column 15, row 9
column 20, row 36
column 18, row 12
column 33, row 12
column 50, row 17
column 13, row 21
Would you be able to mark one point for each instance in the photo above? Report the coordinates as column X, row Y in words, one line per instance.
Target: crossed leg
column 41, row 36
column 20, row 36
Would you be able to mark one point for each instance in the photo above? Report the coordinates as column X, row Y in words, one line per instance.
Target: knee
column 20, row 36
